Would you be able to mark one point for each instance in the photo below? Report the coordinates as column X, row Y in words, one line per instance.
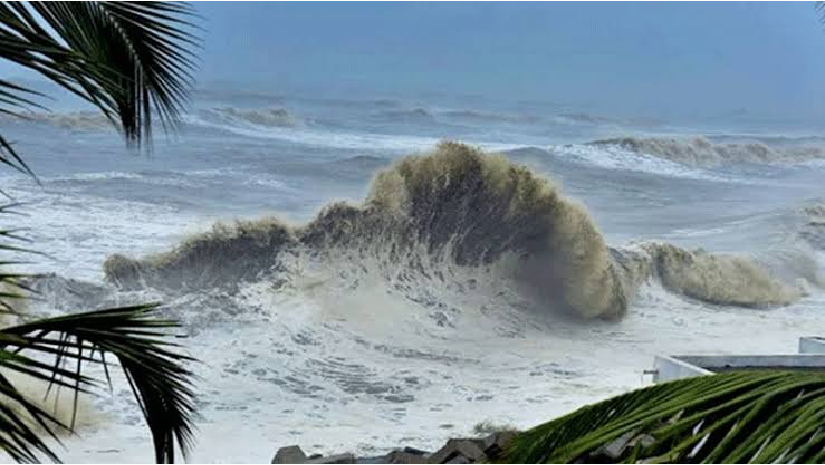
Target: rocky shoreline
column 485, row 449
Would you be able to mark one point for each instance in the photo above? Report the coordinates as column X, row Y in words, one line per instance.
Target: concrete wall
column 811, row 357
column 686, row 366
column 670, row 368
column 811, row 345
column 722, row 362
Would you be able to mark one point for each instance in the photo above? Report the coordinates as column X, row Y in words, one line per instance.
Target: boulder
column 495, row 443
column 459, row 459
column 458, row 449
column 335, row 458
column 615, row 448
column 413, row 450
column 399, row 456
column 289, row 454
column 371, row 459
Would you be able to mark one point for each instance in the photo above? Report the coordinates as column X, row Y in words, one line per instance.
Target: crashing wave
column 701, row 152
column 719, row 279
column 460, row 207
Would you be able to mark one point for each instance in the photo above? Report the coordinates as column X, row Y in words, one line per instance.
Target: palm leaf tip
column 134, row 61
column 157, row 373
column 770, row 416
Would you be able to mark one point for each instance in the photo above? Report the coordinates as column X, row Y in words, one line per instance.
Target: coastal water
column 411, row 315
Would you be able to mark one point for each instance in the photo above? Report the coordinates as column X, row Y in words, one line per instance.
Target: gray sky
column 656, row 57
column 634, row 58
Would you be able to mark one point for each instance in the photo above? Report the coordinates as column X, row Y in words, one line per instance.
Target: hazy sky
column 702, row 58
column 692, row 57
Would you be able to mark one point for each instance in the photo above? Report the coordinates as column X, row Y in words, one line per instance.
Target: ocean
column 351, row 282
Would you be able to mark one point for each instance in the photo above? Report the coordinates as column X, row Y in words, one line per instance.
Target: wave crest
column 265, row 117
column 460, row 207
column 411, row 114
column 720, row 279
column 701, row 152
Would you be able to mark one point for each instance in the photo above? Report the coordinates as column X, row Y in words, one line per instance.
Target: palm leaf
column 131, row 60
column 749, row 416
column 17, row 437
column 156, row 371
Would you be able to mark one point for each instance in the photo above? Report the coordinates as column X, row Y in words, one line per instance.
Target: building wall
column 811, row 345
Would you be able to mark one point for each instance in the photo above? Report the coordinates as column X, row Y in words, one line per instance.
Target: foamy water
column 346, row 347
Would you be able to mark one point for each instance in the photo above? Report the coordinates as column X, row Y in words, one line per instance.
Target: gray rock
column 413, row 450
column 335, row 458
column 399, row 456
column 289, row 454
column 459, row 459
column 471, row 449
column 495, row 443
column 645, row 440
column 371, row 459
column 616, row 447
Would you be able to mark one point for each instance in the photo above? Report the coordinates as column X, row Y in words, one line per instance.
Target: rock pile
column 456, row 450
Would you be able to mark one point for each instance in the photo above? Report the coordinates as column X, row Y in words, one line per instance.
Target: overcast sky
column 691, row 56
column 634, row 57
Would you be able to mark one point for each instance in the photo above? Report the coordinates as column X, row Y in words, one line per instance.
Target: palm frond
column 152, row 364
column 17, row 437
column 737, row 417
column 133, row 61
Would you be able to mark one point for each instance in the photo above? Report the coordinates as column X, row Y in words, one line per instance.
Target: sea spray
column 720, row 279
column 460, row 207
column 463, row 205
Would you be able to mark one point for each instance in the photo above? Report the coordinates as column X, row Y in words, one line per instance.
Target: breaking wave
column 810, row 225
column 265, row 117
column 720, row 279
column 701, row 152
column 94, row 121
column 458, row 208
column 583, row 118
column 73, row 120
column 489, row 116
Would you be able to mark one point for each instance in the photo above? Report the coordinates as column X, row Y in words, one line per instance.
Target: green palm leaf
column 155, row 370
column 133, row 61
column 738, row 417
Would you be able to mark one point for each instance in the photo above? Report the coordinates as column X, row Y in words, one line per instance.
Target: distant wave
column 363, row 161
column 587, row 119
column 411, row 114
column 428, row 217
column 310, row 134
column 771, row 140
column 701, row 152
column 584, row 118
column 265, row 117
column 478, row 115
column 252, row 97
column 615, row 157
column 182, row 179
column 74, row 120
column 386, row 103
